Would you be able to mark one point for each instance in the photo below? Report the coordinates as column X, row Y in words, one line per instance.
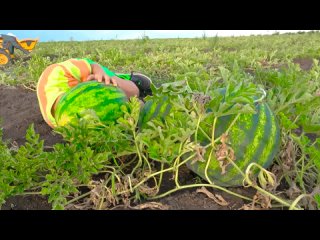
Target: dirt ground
column 19, row 108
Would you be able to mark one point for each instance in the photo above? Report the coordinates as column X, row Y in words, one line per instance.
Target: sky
column 85, row 35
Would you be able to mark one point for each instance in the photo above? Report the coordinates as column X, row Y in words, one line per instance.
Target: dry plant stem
column 146, row 160
column 123, row 166
column 302, row 172
column 253, row 185
column 79, row 197
column 130, row 184
column 257, row 187
column 36, row 187
column 295, row 202
column 229, row 128
column 210, row 155
column 159, row 172
column 205, row 134
column 137, row 185
column 273, row 196
column 213, row 129
column 150, row 169
column 262, row 190
column 202, row 185
column 207, row 166
column 176, row 162
column 227, row 131
column 29, row 193
column 29, row 88
column 106, row 171
column 195, row 185
column 176, row 175
column 197, row 128
column 212, row 185
column 236, row 166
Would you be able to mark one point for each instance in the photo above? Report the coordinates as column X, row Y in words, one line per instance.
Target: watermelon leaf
column 233, row 100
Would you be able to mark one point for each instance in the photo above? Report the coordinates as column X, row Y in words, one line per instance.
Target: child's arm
column 99, row 74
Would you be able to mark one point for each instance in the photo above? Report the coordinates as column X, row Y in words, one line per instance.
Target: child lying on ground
column 61, row 77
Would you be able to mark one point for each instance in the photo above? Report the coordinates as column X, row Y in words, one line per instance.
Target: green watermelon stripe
column 213, row 166
column 272, row 143
column 163, row 109
column 146, row 108
column 249, row 136
column 104, row 100
column 158, row 107
column 222, row 125
column 167, row 110
column 262, row 144
column 151, row 110
column 156, row 111
column 262, row 149
column 110, row 107
column 75, row 94
column 98, row 89
column 247, row 125
column 105, row 103
column 254, row 149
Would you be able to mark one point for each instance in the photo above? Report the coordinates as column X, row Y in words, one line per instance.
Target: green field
column 286, row 66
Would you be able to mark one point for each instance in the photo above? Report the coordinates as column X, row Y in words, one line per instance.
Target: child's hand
column 99, row 75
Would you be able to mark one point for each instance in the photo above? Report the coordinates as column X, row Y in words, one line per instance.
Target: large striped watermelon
column 105, row 100
column 253, row 138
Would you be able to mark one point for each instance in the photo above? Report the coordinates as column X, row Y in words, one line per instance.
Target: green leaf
column 286, row 122
column 317, row 199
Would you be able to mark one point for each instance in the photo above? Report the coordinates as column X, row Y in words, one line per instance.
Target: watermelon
column 154, row 108
column 104, row 100
column 253, row 138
